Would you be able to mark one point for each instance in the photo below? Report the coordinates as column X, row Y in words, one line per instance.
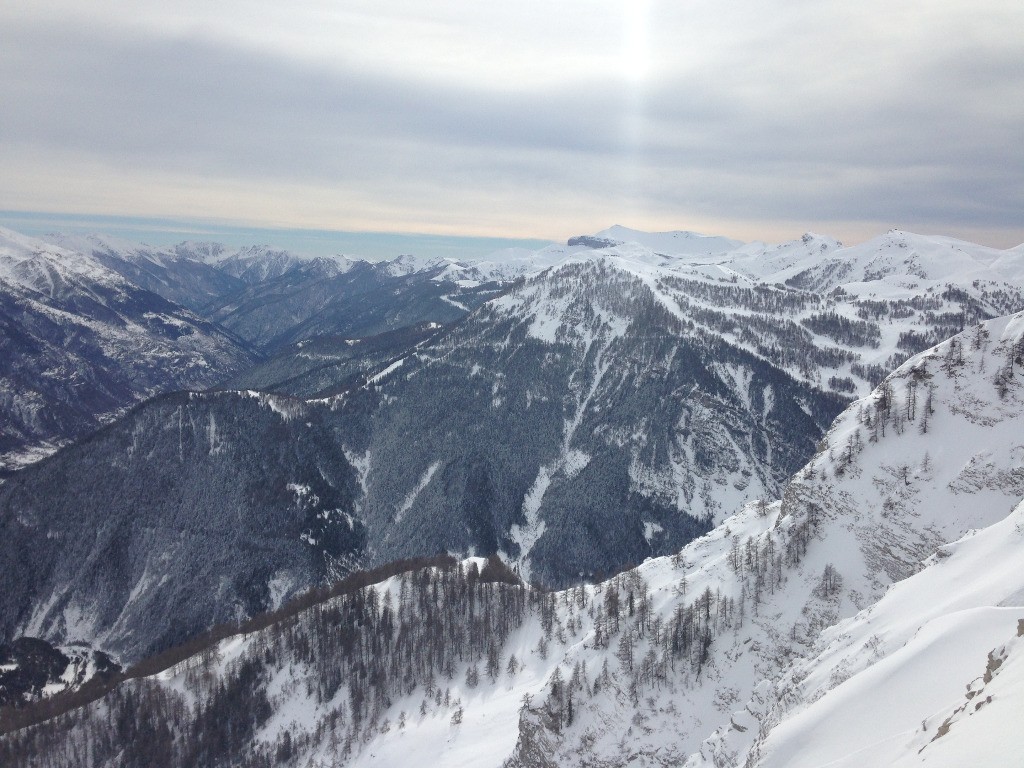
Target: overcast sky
column 753, row 119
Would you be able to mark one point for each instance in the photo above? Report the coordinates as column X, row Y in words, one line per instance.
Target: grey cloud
column 181, row 97
column 937, row 141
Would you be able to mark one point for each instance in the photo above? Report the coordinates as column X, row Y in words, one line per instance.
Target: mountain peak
column 674, row 243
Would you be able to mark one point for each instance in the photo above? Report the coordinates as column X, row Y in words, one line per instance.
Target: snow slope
column 890, row 503
column 32, row 264
column 909, row 660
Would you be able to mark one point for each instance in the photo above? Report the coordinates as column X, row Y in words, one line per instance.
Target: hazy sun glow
column 636, row 51
column 635, row 70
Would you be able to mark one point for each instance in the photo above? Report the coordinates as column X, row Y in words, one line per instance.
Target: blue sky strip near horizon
column 757, row 119
column 311, row 242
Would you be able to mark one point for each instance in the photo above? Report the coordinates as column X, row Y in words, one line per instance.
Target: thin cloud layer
column 752, row 121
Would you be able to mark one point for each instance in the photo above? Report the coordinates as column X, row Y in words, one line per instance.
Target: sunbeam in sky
column 636, row 49
column 635, row 68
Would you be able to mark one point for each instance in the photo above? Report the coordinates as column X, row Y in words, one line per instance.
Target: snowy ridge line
column 826, row 320
column 876, row 260
column 959, row 388
column 264, row 259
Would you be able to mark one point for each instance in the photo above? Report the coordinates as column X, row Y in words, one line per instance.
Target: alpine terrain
column 94, row 324
column 872, row 614
column 79, row 343
column 617, row 399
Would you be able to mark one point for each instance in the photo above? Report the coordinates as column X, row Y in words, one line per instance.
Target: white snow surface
column 36, row 265
column 909, row 658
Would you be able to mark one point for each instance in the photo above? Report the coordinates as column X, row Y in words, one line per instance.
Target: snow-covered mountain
column 901, row 477
column 192, row 273
column 577, row 423
column 700, row 386
column 506, row 265
column 178, row 274
column 873, row 615
column 904, row 260
column 273, row 297
column 575, row 452
column 608, row 408
column 258, row 263
column 856, row 312
column 199, row 314
column 80, row 343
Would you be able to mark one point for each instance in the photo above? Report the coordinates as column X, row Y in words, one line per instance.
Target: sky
column 524, row 119
column 165, row 231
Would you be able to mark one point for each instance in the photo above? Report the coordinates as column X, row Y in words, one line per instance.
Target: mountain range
column 93, row 324
column 80, row 343
column 663, row 398
column 871, row 614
